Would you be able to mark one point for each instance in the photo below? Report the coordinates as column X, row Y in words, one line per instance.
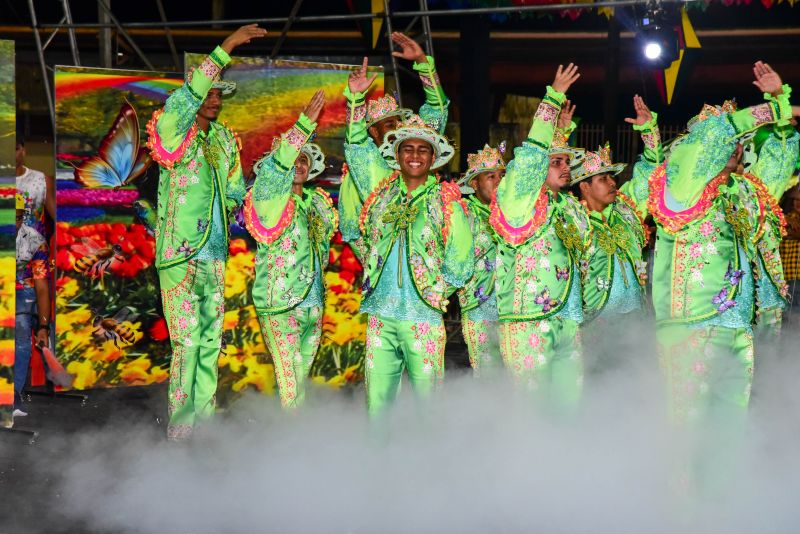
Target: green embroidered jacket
column 196, row 168
column 293, row 232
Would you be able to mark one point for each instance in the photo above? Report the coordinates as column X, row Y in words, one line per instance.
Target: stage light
column 656, row 33
column 652, row 50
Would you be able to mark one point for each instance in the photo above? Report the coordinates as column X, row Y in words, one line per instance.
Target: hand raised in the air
column 358, row 81
column 242, row 36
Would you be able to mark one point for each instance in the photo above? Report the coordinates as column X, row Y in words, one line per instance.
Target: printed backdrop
column 110, row 329
column 7, row 228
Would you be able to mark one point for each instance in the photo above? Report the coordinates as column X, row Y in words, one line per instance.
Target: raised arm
column 645, row 122
column 365, row 163
column 273, row 184
column 776, row 109
column 777, row 159
column 175, row 120
column 518, row 192
column 435, row 109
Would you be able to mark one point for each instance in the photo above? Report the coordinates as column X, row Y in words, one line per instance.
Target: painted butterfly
column 185, row 248
column 480, row 295
column 120, row 158
column 722, row 302
column 202, row 225
column 734, row 277
column 562, row 274
column 544, row 300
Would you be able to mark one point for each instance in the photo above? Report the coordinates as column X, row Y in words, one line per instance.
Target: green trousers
column 545, row 357
column 709, row 373
column 292, row 338
column 483, row 343
column 192, row 294
column 393, row 346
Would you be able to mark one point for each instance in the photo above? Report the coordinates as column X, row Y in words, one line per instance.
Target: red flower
column 348, row 276
column 65, row 261
column 158, row 330
column 237, row 246
column 348, row 261
column 337, row 238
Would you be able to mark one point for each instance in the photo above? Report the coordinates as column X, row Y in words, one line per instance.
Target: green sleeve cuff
column 650, row 125
column 782, row 105
column 426, row 68
column 566, row 132
column 305, row 124
column 220, row 57
column 553, row 95
column 357, row 97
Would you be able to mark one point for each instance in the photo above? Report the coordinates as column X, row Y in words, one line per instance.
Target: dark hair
column 576, row 189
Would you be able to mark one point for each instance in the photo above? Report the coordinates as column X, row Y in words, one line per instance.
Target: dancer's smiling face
column 415, row 158
column 211, row 106
column 301, row 169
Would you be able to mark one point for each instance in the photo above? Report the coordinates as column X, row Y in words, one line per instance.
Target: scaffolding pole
column 364, row 16
column 426, row 27
column 125, row 34
column 395, row 72
column 285, row 30
column 170, row 41
column 73, row 43
column 45, row 76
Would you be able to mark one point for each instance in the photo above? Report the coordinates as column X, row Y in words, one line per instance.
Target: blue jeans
column 26, row 317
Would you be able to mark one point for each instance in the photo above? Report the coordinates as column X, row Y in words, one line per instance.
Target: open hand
column 242, row 36
column 315, row 105
column 565, row 117
column 409, row 49
column 643, row 114
column 767, row 80
column 358, row 81
column 565, row 77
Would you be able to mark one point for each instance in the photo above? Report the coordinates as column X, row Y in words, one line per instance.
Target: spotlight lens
column 652, row 51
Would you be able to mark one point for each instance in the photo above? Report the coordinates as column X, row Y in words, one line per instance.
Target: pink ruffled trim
column 261, row 233
column 329, row 202
column 518, row 235
column 674, row 221
column 161, row 155
column 450, row 193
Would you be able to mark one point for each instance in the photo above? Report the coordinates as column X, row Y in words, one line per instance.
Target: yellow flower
column 68, row 289
column 350, row 374
column 135, row 372
column 85, row 375
column 261, row 375
column 239, row 270
column 231, row 320
column 66, row 321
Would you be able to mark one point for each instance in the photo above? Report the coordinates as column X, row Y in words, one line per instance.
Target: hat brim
column 469, row 175
column 442, row 148
column 402, row 113
column 316, row 160
column 225, row 87
column 312, row 151
column 613, row 169
column 576, row 155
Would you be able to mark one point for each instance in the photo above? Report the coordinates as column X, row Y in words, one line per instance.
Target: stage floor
column 29, row 489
